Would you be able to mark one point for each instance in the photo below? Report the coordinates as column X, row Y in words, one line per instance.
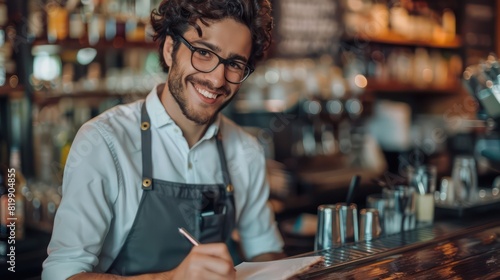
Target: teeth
column 206, row 93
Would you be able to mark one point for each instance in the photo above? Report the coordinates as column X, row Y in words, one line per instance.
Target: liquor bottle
column 57, row 22
column 3, row 13
column 36, row 16
column 449, row 24
column 3, row 22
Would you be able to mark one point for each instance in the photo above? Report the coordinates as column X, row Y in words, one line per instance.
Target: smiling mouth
column 206, row 93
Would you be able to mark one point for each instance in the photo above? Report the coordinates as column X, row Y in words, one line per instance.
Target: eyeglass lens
column 206, row 61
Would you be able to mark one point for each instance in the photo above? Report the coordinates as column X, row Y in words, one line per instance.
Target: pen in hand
column 191, row 238
column 188, row 236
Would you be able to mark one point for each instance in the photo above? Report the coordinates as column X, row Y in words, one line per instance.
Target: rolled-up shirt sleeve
column 257, row 227
column 85, row 213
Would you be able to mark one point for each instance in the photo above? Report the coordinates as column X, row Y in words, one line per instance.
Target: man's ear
column 168, row 49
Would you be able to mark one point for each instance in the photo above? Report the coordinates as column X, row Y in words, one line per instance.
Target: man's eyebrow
column 214, row 48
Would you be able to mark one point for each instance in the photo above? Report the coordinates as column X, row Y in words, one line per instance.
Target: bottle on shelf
column 449, row 25
column 76, row 25
column 3, row 46
column 35, row 23
column 3, row 74
column 3, row 13
column 57, row 22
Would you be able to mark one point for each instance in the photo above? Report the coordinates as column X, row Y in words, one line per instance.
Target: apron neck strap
column 147, row 161
column 223, row 162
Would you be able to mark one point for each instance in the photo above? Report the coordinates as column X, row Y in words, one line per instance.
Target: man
column 138, row 172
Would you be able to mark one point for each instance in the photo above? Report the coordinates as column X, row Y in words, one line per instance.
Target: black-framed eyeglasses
column 206, row 61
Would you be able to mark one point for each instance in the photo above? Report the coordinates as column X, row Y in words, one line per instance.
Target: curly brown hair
column 175, row 16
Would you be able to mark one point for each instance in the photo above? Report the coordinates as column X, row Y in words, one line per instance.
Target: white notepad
column 280, row 269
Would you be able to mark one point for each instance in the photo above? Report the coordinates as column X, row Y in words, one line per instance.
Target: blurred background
column 365, row 87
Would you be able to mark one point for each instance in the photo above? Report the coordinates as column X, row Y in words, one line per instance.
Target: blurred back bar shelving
column 322, row 105
column 331, row 62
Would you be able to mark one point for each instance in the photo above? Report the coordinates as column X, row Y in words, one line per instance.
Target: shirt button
column 190, row 165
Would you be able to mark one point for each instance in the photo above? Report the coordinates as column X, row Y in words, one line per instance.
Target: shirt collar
column 160, row 117
column 213, row 129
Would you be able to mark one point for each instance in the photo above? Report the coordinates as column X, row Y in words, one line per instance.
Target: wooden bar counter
column 459, row 248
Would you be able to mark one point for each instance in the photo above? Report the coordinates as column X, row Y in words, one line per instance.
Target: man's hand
column 206, row 261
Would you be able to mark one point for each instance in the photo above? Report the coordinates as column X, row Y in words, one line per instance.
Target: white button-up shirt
column 102, row 185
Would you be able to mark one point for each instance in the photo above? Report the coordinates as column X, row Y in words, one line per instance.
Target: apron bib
column 206, row 210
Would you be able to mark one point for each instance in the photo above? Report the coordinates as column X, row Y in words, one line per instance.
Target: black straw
column 354, row 185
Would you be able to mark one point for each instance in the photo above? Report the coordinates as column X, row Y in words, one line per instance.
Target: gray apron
column 205, row 210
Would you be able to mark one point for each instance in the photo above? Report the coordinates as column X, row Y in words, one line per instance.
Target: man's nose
column 216, row 77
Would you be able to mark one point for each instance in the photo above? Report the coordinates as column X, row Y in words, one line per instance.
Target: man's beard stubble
column 177, row 91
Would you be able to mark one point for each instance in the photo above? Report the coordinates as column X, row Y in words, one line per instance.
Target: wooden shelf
column 11, row 93
column 45, row 98
column 398, row 87
column 117, row 43
column 392, row 38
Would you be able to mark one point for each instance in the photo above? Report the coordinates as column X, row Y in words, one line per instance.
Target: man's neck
column 190, row 130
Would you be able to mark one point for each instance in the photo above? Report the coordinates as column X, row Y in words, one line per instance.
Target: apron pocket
column 212, row 228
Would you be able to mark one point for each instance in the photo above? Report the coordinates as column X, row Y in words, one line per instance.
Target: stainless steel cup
column 369, row 224
column 349, row 231
column 376, row 201
column 328, row 221
column 464, row 176
column 399, row 215
column 337, row 224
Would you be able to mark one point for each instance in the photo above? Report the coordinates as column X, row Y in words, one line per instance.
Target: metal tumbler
column 337, row 224
column 369, row 224
column 380, row 203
